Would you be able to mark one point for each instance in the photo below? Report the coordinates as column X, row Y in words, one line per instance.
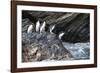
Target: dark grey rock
column 75, row 25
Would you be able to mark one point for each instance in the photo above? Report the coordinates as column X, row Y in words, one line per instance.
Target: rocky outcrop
column 44, row 46
column 75, row 25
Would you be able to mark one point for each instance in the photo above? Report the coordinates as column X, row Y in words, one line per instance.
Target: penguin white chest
column 30, row 29
column 37, row 26
column 42, row 29
column 60, row 35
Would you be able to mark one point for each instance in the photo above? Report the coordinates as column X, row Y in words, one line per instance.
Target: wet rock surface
column 79, row 51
